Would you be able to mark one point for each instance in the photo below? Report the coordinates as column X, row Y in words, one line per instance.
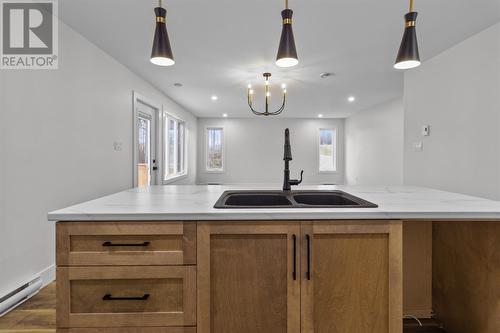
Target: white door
column 146, row 162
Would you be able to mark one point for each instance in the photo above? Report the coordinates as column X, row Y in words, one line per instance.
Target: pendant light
column 408, row 56
column 161, row 54
column 287, row 54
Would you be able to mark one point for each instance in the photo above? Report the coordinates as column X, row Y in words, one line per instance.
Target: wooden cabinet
column 126, row 296
column 127, row 277
column 227, row 277
column 126, row 243
column 248, row 277
column 348, row 277
column 352, row 277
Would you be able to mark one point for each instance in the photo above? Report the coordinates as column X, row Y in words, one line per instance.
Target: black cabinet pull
column 109, row 297
column 117, row 244
column 294, row 272
column 308, row 273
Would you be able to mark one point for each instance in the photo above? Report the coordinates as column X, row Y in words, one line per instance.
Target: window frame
column 175, row 177
column 223, row 169
column 335, row 150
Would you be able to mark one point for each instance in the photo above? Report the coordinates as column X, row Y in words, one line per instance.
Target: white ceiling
column 222, row 45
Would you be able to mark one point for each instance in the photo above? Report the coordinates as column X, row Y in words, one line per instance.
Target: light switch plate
column 426, row 130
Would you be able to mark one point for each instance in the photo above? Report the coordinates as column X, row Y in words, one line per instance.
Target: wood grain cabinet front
column 129, row 330
column 133, row 296
column 308, row 277
column 126, row 243
column 248, row 277
column 352, row 277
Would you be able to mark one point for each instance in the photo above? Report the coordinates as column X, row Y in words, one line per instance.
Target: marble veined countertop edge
column 195, row 202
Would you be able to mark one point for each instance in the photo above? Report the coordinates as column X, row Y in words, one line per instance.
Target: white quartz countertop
column 195, row 202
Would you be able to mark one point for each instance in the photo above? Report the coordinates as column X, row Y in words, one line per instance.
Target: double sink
column 291, row 199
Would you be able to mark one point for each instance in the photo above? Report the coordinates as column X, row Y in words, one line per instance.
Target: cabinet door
column 352, row 277
column 248, row 277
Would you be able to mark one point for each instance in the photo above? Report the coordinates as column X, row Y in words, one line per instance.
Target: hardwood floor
column 37, row 315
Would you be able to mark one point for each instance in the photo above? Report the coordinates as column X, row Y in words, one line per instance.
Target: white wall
column 57, row 129
column 254, row 150
column 458, row 94
column 374, row 145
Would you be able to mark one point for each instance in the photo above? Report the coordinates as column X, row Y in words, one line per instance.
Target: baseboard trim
column 48, row 275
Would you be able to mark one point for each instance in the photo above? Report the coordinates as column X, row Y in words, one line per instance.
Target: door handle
column 294, row 271
column 308, row 241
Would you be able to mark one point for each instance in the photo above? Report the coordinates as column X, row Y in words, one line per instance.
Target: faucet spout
column 288, row 148
column 287, row 157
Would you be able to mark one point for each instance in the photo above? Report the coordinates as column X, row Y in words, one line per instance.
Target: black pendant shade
column 287, row 53
column 408, row 56
column 161, row 54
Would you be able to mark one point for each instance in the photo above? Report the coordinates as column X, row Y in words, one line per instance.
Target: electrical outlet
column 418, row 146
column 118, row 145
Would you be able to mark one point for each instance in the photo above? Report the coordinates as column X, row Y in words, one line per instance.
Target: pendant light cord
column 411, row 6
column 286, row 4
column 159, row 3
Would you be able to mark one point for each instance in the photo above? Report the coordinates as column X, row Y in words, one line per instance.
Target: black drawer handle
column 294, row 271
column 308, row 273
column 109, row 297
column 117, row 244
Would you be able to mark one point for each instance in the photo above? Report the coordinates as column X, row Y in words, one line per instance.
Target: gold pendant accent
column 410, row 24
column 160, row 19
column 287, row 21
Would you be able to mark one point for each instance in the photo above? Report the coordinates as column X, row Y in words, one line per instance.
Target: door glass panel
column 144, row 149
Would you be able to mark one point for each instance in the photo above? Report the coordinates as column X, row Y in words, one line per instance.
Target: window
column 215, row 149
column 175, row 148
column 327, row 150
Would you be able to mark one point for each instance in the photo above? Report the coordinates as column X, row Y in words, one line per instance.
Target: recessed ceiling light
column 178, row 84
column 320, row 115
column 351, row 99
column 214, row 98
column 224, row 115
column 325, row 75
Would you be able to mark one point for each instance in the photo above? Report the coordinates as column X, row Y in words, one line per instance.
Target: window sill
column 215, row 171
column 173, row 179
column 328, row 172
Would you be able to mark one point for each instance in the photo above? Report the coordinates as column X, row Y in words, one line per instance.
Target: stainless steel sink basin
column 291, row 199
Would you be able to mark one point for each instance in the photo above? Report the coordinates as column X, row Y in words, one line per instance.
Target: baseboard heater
column 19, row 295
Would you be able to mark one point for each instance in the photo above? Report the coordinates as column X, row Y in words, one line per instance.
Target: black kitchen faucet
column 287, row 182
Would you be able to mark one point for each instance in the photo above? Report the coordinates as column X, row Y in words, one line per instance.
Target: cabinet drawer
column 129, row 330
column 126, row 243
column 128, row 296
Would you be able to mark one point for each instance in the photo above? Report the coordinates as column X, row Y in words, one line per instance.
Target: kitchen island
column 162, row 259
